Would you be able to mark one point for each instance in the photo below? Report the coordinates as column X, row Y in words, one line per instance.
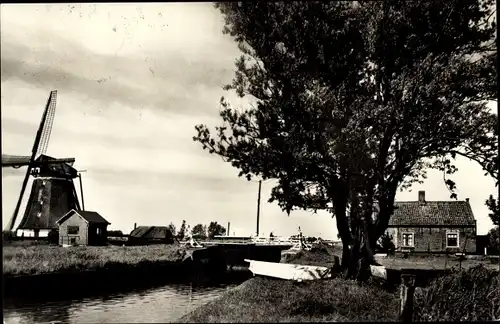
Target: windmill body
column 53, row 192
column 52, row 195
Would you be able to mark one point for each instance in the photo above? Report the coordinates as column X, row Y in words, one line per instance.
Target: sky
column 133, row 80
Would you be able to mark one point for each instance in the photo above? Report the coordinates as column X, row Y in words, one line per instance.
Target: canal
column 161, row 304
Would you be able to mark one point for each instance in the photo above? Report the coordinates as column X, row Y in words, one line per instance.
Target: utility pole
column 81, row 187
column 258, row 207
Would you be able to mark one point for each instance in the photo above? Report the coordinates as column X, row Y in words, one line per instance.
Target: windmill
column 53, row 192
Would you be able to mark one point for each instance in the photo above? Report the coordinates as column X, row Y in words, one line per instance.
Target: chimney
column 421, row 197
column 135, row 225
column 467, row 199
column 228, row 224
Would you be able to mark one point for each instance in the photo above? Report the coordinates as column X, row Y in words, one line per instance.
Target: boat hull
column 288, row 271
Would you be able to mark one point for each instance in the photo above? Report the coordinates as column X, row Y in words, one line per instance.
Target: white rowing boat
column 288, row 271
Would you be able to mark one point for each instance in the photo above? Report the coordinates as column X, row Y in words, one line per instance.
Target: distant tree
column 200, row 231
column 116, row 233
column 494, row 240
column 271, row 234
column 171, row 228
column 494, row 207
column 355, row 100
column 494, row 233
column 182, row 231
column 215, row 229
column 311, row 239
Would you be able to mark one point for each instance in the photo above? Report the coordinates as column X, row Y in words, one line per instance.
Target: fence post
column 407, row 292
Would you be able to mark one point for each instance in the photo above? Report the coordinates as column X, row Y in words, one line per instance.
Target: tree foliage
column 494, row 240
column 494, row 233
column 116, row 233
column 200, row 231
column 353, row 100
column 182, row 231
column 215, row 229
column 171, row 228
column 494, row 207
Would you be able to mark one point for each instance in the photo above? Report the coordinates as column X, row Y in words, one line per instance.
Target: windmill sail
column 15, row 161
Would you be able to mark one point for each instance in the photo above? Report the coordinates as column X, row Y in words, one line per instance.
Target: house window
column 408, row 239
column 73, row 230
column 451, row 239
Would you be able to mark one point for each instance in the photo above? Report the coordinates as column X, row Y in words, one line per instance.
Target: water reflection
column 162, row 304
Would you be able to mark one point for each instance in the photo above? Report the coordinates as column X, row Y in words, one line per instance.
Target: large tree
column 353, row 100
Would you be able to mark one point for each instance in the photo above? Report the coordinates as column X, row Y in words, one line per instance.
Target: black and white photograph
column 250, row 161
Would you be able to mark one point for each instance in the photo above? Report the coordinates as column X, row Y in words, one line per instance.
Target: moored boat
column 288, row 271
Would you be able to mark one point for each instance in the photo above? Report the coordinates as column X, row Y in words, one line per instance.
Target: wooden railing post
column 407, row 291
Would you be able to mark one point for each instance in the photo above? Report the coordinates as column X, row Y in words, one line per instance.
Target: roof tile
column 432, row 213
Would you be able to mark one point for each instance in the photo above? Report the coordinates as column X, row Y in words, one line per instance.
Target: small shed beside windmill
column 82, row 228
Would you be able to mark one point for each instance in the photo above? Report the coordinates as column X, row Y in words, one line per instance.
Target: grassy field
column 30, row 258
column 466, row 295
column 324, row 256
column 434, row 262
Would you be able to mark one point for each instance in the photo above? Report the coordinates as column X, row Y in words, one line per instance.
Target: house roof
column 151, row 232
column 432, row 213
column 89, row 216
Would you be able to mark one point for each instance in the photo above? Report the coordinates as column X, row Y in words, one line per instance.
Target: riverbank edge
column 111, row 277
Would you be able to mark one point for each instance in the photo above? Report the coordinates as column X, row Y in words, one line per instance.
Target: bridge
column 219, row 257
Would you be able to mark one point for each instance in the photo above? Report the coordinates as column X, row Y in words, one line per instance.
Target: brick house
column 82, row 228
column 433, row 226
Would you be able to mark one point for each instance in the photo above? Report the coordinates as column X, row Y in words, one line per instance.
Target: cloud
column 173, row 84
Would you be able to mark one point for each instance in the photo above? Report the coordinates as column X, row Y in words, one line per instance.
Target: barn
column 82, row 228
column 145, row 235
column 433, row 226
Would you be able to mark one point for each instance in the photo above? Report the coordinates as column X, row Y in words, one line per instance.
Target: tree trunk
column 340, row 204
column 362, row 254
column 358, row 238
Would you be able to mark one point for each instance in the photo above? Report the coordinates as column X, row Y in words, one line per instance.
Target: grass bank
column 268, row 300
column 469, row 294
column 37, row 259
column 435, row 262
column 319, row 255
